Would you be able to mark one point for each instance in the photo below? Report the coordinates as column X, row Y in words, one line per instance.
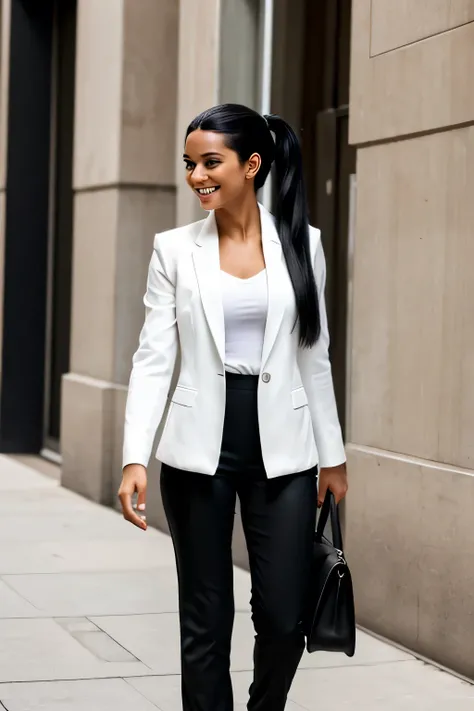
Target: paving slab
column 395, row 686
column 165, row 691
column 69, row 525
column 86, row 556
column 154, row 639
column 39, row 503
column 12, row 604
column 40, row 650
column 82, row 594
column 93, row 695
column 95, row 640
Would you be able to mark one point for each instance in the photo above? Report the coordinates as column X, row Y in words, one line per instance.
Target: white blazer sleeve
column 153, row 365
column 315, row 369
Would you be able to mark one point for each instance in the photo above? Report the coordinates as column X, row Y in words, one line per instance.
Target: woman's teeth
column 206, row 191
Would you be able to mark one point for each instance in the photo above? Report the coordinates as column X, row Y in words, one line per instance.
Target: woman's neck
column 240, row 223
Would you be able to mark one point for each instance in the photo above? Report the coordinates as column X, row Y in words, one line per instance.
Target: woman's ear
column 253, row 166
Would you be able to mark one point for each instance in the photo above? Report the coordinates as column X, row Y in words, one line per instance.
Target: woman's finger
column 322, row 489
column 141, row 500
column 128, row 512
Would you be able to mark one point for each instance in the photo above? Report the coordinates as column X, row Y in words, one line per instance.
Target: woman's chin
column 210, row 203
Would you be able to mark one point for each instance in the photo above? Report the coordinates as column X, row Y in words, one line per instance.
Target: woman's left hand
column 335, row 479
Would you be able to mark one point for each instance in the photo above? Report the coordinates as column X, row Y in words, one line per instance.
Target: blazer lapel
column 207, row 265
column 275, row 279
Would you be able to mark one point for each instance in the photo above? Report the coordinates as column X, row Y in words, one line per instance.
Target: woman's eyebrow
column 205, row 155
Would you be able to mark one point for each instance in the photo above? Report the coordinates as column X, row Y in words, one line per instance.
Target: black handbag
column 330, row 619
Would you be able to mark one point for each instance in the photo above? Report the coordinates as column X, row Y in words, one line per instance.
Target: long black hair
column 247, row 132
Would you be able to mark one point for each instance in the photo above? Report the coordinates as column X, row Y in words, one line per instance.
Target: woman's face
column 214, row 172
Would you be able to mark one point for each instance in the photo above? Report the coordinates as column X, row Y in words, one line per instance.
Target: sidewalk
column 89, row 623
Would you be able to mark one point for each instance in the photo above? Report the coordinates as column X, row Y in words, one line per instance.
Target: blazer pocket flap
column 184, row 396
column 299, row 398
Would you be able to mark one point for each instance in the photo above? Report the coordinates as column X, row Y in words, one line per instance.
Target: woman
column 240, row 295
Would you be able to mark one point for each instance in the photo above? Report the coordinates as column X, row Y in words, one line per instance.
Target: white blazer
column 298, row 421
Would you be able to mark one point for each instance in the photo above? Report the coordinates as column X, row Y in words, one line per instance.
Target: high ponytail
column 248, row 132
column 293, row 227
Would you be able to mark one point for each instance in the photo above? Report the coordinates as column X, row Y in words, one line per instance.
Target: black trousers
column 278, row 517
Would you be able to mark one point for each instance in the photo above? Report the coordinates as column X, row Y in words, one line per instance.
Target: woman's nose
column 199, row 175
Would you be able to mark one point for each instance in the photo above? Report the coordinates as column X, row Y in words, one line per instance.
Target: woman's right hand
column 133, row 479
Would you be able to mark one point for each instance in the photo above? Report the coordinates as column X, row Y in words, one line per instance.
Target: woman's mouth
column 206, row 193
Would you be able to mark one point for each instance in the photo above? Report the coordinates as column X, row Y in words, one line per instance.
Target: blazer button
column 266, row 377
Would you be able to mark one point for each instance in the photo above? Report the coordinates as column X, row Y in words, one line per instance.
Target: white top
column 245, row 304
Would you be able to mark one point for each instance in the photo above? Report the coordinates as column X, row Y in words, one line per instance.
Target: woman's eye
column 211, row 163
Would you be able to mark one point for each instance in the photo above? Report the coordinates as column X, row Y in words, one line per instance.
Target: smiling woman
column 241, row 296
column 232, row 147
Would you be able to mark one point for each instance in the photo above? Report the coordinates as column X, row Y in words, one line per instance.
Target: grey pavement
column 88, row 620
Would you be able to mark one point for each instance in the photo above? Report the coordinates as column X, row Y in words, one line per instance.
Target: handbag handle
column 329, row 508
